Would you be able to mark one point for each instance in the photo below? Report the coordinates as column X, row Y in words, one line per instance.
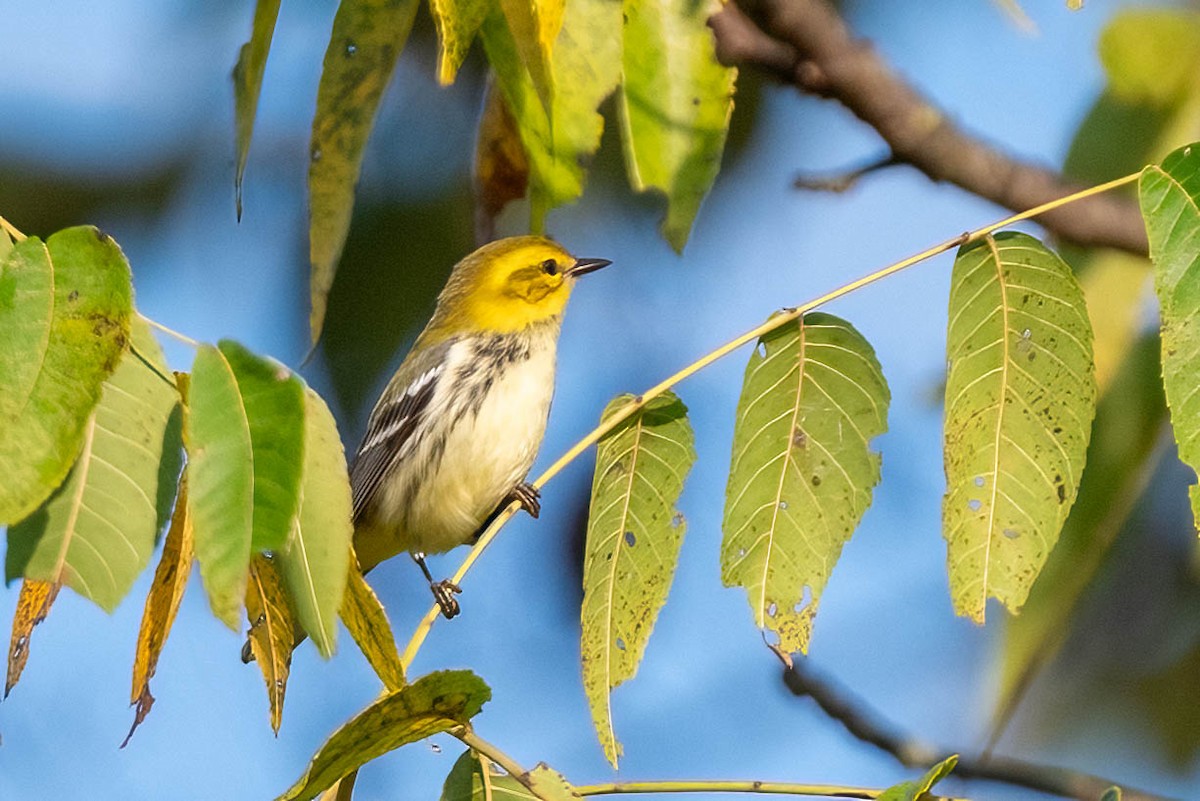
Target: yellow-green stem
column 763, row 788
column 12, row 231
column 422, row 630
column 184, row 338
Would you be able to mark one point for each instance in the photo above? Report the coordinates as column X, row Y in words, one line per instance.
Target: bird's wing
column 392, row 425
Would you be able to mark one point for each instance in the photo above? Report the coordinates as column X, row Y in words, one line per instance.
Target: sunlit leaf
column 587, row 67
column 1152, row 55
column 549, row 785
column 1020, row 397
column 33, row 605
column 1169, row 196
column 162, row 603
column 470, row 780
column 633, row 537
column 221, row 482
column 342, row 789
column 273, row 399
column 457, row 23
column 65, row 310
column 535, row 25
column 1129, row 420
column 6, row 244
column 675, row 105
column 247, row 82
column 272, row 631
column 97, row 531
column 367, row 38
column 501, row 166
column 432, row 704
column 368, row 624
column 918, row 789
column 803, row 470
column 316, row 558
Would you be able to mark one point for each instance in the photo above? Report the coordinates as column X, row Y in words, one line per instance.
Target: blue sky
column 101, row 90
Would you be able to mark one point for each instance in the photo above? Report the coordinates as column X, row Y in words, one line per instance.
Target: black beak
column 585, row 266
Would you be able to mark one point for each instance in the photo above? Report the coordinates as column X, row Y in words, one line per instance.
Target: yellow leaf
column 272, row 630
column 33, row 604
column 368, row 625
column 535, row 25
column 162, row 603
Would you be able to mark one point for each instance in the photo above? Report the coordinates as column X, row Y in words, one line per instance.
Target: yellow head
column 508, row 285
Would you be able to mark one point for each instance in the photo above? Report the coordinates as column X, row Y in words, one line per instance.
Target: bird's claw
column 444, row 592
column 529, row 496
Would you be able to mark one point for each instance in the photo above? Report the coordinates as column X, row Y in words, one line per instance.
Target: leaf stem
column 469, row 738
column 12, row 231
column 184, row 338
column 776, row 321
column 764, row 788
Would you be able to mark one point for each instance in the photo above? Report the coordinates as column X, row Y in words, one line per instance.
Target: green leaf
column 272, row 631
column 220, row 482
column 549, row 785
column 586, row 67
column 916, row 790
column 1020, row 397
column 368, row 624
column 457, row 23
column 469, row 780
column 247, row 83
column 432, row 704
column 675, row 104
column 316, row 558
column 1120, row 461
column 633, row 539
column 534, row 25
column 1169, row 196
column 803, row 470
column 273, row 399
column 1151, row 55
column 367, row 38
column 97, row 531
column 65, row 310
column 1111, row 794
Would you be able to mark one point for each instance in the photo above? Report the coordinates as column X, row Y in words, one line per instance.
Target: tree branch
column 866, row 725
column 807, row 44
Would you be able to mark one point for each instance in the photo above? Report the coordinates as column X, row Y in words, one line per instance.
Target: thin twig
column 843, row 181
column 807, row 44
column 469, row 738
column 776, row 321
column 867, row 725
column 763, row 788
column 184, row 338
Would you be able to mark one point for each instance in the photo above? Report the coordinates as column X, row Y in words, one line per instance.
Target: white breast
column 486, row 454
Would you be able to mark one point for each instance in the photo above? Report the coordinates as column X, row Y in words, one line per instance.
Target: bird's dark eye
column 550, row 267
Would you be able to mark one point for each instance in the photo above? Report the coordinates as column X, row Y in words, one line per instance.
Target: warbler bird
column 451, row 439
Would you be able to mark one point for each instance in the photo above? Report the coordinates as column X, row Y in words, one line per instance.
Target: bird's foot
column 444, row 592
column 529, row 496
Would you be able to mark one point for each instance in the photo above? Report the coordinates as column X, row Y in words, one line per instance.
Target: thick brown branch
column 866, row 725
column 806, row 43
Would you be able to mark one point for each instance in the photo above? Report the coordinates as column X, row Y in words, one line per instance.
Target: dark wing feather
column 391, row 426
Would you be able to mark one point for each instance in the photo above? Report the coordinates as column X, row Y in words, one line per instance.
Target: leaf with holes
column 633, row 539
column 432, row 704
column 1122, row 456
column 1170, row 200
column 272, row 631
column 587, row 67
column 65, row 310
column 803, row 470
column 316, row 558
column 33, row 605
column 247, row 83
column 367, row 38
column 97, row 531
column 674, row 106
column 1020, row 397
